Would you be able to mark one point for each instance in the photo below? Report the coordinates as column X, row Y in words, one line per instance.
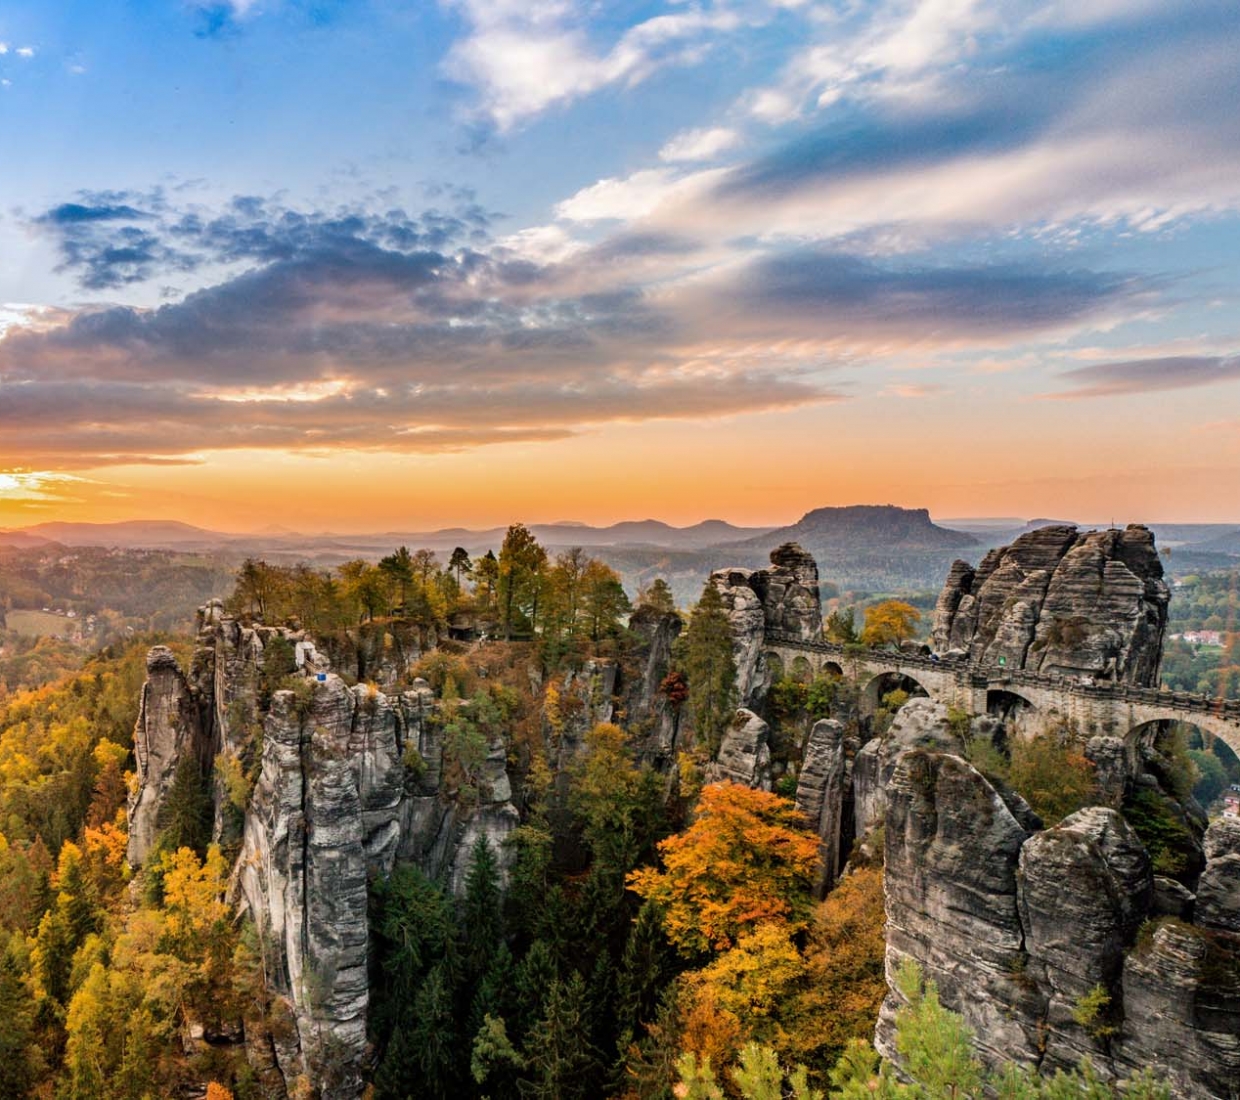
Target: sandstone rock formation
column 1018, row 925
column 744, row 753
column 348, row 781
column 824, row 795
column 657, row 632
column 783, row 599
column 1059, row 601
column 1218, row 891
column 169, row 731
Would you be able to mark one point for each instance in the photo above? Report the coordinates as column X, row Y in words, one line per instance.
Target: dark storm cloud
column 1148, row 376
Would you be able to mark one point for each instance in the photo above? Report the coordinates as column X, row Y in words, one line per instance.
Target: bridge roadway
column 1102, row 707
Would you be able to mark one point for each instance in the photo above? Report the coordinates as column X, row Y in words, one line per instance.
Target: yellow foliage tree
column 747, row 859
column 890, row 622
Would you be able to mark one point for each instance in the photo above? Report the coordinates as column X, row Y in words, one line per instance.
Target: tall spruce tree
column 710, row 668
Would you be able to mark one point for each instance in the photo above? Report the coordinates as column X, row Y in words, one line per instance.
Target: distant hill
column 168, row 534
column 864, row 527
column 1228, row 542
column 130, row 534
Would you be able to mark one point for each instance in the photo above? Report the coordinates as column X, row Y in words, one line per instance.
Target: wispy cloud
column 1147, row 376
column 526, row 56
column 696, row 145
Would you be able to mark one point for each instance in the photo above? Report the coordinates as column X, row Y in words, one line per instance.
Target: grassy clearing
column 36, row 623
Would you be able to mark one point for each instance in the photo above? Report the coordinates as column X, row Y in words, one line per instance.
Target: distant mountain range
column 174, row 535
column 873, row 548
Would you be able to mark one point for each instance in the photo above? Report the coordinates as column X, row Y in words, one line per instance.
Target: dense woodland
column 657, row 937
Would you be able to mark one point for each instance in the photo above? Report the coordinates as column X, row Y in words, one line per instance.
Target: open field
column 34, row 623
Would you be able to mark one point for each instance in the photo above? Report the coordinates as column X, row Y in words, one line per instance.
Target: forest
column 654, row 936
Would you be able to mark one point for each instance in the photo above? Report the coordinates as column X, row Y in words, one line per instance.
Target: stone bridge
column 1114, row 709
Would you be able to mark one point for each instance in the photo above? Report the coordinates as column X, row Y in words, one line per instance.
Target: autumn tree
column 603, row 599
column 657, row 596
column 746, row 859
column 1053, row 774
column 890, row 623
column 486, row 577
column 710, row 668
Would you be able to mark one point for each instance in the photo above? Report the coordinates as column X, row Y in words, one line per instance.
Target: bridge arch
column 833, row 669
column 886, row 682
column 1020, row 715
column 774, row 666
column 1150, row 721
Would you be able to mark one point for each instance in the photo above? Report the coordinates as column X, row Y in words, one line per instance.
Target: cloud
column 526, row 56
column 911, row 390
column 111, row 239
column 1033, row 129
column 633, row 197
column 25, row 51
column 388, row 330
column 1148, row 376
column 852, row 300
column 696, row 145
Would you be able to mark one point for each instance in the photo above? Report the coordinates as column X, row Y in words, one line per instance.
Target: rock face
column 1218, row 891
column 169, row 731
column 1084, row 887
column 783, row 599
column 347, row 782
column 744, row 753
column 1018, row 925
column 824, row 795
column 951, row 859
column 1060, row 601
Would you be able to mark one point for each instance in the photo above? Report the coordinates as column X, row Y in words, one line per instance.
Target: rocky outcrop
column 1083, row 889
column 951, row 859
column 1218, row 890
column 1061, row 602
column 744, row 753
column 347, row 780
column 656, row 632
column 1050, row 942
column 1181, row 1004
column 783, row 599
column 170, row 731
column 824, row 795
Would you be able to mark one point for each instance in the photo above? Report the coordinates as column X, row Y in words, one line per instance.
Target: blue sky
column 980, row 256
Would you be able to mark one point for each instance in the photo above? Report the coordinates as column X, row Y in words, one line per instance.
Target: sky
column 366, row 265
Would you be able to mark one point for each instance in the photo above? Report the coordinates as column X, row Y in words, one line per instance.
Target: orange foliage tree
column 747, row 859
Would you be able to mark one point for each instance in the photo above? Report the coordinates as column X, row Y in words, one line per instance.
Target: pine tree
column 710, row 668
column 17, row 1065
column 562, row 1063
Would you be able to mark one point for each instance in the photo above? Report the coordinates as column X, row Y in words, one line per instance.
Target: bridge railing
column 987, row 676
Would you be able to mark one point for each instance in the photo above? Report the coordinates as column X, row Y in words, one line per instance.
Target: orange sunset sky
column 477, row 262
